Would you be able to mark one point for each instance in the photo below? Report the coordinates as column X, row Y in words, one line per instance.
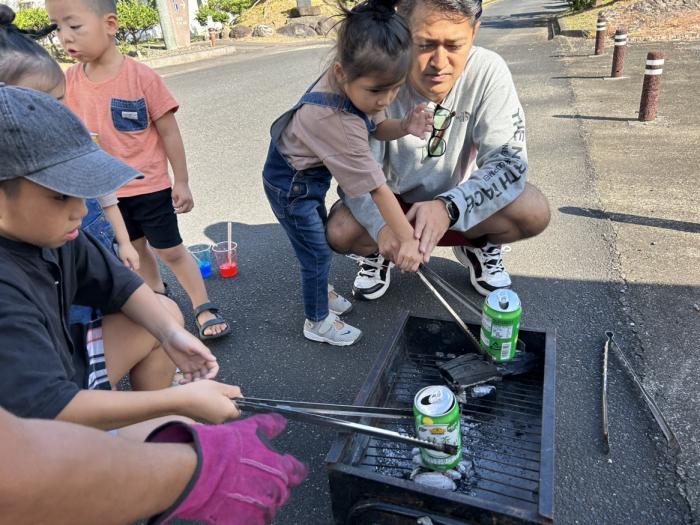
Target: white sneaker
column 486, row 271
column 337, row 304
column 373, row 278
column 332, row 331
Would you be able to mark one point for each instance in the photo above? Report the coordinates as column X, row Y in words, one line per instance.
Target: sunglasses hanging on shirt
column 442, row 119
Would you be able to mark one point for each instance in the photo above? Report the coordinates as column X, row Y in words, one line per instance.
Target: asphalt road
column 568, row 278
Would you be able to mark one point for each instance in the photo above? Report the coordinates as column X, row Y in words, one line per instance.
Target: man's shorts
column 451, row 237
column 89, row 357
column 151, row 215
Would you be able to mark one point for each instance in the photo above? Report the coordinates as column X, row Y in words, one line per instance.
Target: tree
column 135, row 19
column 36, row 19
column 233, row 7
column 222, row 11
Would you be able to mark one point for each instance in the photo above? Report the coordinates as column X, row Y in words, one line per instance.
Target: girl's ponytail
column 21, row 56
column 373, row 39
column 7, row 16
column 382, row 8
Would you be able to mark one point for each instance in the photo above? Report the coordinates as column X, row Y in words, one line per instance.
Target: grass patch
column 276, row 12
column 586, row 20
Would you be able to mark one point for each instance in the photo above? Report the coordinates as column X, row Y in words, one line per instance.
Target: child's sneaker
column 372, row 281
column 337, row 304
column 332, row 331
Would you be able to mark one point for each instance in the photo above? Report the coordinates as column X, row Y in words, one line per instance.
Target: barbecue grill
column 508, row 436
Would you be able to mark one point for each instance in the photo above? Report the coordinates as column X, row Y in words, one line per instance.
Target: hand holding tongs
column 319, row 414
column 423, row 272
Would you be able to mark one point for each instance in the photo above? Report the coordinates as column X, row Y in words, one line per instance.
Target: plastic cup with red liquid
column 225, row 256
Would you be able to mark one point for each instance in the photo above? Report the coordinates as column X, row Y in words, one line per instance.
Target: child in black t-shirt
column 50, row 165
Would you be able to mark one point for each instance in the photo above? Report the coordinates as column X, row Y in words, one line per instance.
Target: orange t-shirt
column 122, row 110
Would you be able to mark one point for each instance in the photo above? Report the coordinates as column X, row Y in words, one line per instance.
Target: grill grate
column 500, row 433
column 508, row 436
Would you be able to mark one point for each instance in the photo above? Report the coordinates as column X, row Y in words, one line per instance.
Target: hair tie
column 379, row 11
column 36, row 34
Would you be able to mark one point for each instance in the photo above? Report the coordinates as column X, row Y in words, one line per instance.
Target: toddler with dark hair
column 326, row 135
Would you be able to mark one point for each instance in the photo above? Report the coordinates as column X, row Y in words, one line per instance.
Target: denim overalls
column 298, row 200
column 97, row 224
column 99, row 227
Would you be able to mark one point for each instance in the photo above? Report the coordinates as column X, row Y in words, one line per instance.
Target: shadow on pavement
column 570, row 56
column 681, row 226
column 592, row 77
column 592, row 117
column 519, row 20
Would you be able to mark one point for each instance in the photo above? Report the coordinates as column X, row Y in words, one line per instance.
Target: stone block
column 263, row 30
column 312, row 10
column 297, row 30
column 241, row 31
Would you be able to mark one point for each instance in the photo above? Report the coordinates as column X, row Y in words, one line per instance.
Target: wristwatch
column 452, row 209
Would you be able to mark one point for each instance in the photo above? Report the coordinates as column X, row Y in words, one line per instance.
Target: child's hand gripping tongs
column 423, row 273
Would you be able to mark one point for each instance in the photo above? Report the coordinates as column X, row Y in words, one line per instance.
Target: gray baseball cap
column 44, row 142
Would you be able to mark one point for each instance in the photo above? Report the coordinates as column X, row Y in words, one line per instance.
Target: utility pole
column 166, row 24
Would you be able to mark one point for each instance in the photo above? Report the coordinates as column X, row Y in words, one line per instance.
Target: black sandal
column 210, row 307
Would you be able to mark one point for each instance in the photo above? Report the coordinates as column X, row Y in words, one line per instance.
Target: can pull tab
column 503, row 301
column 435, row 397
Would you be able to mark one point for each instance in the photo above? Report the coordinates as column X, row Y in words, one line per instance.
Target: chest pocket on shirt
column 129, row 115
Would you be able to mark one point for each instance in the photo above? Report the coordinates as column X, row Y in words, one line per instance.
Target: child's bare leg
column 148, row 270
column 187, row 272
column 130, row 348
column 140, row 431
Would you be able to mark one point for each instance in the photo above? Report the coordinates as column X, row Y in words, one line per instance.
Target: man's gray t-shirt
column 484, row 166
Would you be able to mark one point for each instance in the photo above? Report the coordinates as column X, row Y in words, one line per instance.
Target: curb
column 559, row 27
column 192, row 56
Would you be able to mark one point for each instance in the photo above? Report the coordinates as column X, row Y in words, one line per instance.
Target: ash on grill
column 489, row 427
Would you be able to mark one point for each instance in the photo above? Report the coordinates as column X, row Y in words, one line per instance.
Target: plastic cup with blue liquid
column 202, row 254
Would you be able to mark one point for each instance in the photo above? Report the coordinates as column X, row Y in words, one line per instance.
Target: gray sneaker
column 337, row 304
column 332, row 331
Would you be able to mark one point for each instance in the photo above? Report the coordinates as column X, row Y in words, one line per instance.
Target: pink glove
column 239, row 480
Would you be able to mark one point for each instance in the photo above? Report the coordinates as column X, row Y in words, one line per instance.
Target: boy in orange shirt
column 133, row 112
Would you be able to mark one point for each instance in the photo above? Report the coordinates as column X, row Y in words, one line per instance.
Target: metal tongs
column 457, row 295
column 320, row 414
column 423, row 273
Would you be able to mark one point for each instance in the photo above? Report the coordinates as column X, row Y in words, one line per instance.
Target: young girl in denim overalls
column 325, row 135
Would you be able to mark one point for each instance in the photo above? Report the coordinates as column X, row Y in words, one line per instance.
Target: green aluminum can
column 436, row 411
column 500, row 323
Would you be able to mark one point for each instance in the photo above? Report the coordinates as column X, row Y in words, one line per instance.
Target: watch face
column 453, row 211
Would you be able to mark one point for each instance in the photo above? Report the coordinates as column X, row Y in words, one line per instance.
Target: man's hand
column 182, row 197
column 418, row 122
column 190, row 355
column 431, row 224
column 241, row 479
column 129, row 256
